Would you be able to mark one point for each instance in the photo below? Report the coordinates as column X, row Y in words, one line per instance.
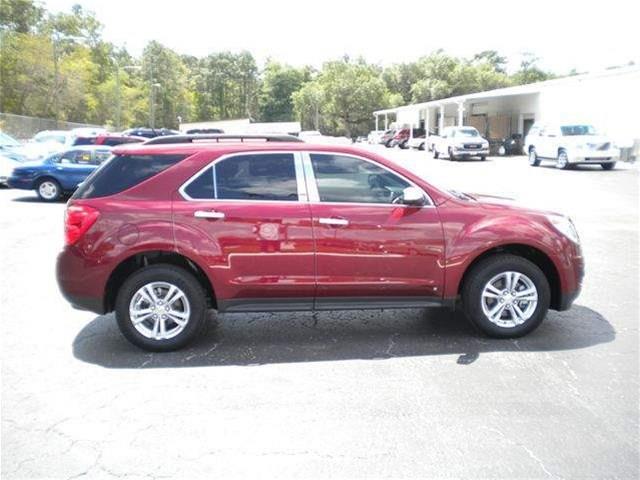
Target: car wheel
column 483, row 158
column 402, row 145
column 421, row 146
column 452, row 157
column 608, row 166
column 506, row 296
column 49, row 190
column 435, row 152
column 562, row 162
column 534, row 161
column 161, row 308
column 388, row 144
column 502, row 151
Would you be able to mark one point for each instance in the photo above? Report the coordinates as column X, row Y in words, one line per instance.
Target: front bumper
column 475, row 152
column 593, row 156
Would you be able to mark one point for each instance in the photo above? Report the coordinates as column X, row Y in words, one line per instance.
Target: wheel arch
column 139, row 260
column 534, row 255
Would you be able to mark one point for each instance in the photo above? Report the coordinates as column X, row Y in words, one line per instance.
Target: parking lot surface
column 371, row 394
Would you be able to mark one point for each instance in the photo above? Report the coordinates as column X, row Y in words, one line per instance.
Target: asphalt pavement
column 358, row 394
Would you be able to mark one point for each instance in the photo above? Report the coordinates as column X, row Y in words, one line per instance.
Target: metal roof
column 528, row 89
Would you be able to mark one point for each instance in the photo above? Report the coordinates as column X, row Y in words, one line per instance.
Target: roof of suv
column 228, row 147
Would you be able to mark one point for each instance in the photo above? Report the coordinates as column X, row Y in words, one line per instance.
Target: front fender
column 471, row 232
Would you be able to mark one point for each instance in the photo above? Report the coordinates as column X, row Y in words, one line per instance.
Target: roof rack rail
column 195, row 138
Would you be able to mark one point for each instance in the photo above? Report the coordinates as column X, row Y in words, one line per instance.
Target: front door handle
column 333, row 221
column 208, row 214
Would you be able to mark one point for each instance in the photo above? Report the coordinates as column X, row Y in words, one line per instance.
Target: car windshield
column 7, row 140
column 573, row 130
column 51, row 138
column 466, row 132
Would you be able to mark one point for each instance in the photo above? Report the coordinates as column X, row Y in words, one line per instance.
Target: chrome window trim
column 312, row 186
column 300, row 184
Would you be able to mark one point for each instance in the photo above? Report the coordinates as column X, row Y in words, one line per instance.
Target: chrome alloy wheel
column 48, row 190
column 509, row 299
column 159, row 310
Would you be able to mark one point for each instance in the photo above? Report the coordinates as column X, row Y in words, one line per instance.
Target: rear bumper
column 20, row 182
column 80, row 285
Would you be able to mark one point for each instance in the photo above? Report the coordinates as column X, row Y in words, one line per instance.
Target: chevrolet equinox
column 165, row 230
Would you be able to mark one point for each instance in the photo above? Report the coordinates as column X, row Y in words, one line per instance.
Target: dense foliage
column 59, row 66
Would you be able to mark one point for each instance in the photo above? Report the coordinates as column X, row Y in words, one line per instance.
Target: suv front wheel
column 506, row 296
column 161, row 308
column 534, row 161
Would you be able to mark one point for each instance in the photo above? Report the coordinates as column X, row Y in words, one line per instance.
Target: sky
column 565, row 35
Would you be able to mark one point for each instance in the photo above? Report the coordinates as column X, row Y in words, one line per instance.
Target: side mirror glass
column 413, row 196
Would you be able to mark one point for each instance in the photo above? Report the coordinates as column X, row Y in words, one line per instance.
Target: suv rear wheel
column 161, row 308
column 506, row 296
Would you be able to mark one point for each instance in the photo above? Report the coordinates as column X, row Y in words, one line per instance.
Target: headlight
column 565, row 226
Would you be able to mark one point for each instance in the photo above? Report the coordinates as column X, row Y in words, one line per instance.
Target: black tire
column 421, row 146
column 562, row 161
column 182, row 279
column 482, row 273
column 608, row 166
column 435, row 152
column 452, row 157
column 402, row 145
column 534, row 160
column 483, row 158
column 54, row 184
column 387, row 144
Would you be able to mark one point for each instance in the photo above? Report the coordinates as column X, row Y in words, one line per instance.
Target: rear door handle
column 333, row 221
column 208, row 214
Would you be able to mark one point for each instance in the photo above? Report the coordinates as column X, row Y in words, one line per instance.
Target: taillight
column 77, row 220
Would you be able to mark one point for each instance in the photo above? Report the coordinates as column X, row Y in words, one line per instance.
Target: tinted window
column 122, row 172
column 84, row 141
column 100, row 156
column 349, row 179
column 257, row 177
column 202, row 186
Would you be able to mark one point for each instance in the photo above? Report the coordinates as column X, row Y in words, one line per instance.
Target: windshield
column 8, row 140
column 466, row 132
column 572, row 130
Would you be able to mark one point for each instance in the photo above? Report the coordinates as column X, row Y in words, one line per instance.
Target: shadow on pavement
column 255, row 339
column 36, row 199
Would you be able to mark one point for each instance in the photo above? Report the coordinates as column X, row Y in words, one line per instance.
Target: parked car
column 59, row 174
column 108, row 139
column 361, row 139
column 204, row 131
column 418, row 142
column 570, row 144
column 402, row 137
column 387, row 137
column 61, row 137
column 149, row 132
column 7, row 164
column 507, row 146
column 162, row 233
column 460, row 142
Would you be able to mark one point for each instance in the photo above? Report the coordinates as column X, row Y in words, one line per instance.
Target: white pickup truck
column 460, row 142
column 568, row 145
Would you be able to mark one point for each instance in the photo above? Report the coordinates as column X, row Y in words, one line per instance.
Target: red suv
column 162, row 232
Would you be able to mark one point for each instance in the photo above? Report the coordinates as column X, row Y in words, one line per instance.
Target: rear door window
column 264, row 177
column 122, row 172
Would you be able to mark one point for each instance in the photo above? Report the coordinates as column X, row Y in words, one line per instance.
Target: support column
column 426, row 125
column 460, row 113
column 386, row 122
column 441, row 122
column 521, row 124
column 376, row 122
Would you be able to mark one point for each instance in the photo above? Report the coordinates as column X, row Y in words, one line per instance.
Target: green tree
column 529, row 71
column 279, row 83
column 20, row 16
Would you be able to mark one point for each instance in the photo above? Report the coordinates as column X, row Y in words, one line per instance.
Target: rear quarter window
column 122, row 172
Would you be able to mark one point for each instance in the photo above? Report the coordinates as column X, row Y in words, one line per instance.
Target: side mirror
column 413, row 196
